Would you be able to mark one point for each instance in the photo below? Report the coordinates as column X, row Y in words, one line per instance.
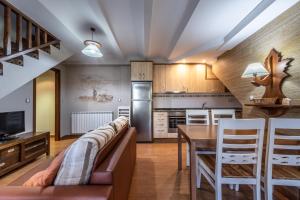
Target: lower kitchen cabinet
column 160, row 124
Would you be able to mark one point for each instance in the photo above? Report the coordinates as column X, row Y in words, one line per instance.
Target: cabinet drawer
column 10, row 152
column 8, row 162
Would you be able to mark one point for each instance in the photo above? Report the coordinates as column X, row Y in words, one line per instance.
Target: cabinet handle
column 140, row 76
column 2, row 164
column 143, row 76
column 11, row 150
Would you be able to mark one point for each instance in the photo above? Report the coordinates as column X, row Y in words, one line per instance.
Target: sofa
column 110, row 179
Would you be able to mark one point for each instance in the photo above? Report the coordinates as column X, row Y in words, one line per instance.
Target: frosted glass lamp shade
column 92, row 51
column 255, row 69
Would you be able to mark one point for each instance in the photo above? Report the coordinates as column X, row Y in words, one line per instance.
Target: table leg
column 179, row 140
column 193, row 163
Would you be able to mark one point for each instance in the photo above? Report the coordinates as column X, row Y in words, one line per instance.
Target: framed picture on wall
column 209, row 75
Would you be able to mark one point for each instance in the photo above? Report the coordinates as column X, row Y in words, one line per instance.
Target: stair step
column 57, row 45
column 46, row 49
column 34, row 54
column 17, row 61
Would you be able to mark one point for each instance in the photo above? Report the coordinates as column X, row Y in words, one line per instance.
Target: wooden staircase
column 25, row 45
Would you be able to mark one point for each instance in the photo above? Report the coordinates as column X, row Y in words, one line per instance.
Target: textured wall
column 283, row 34
column 79, row 81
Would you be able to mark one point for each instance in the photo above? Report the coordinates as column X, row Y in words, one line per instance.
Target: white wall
column 15, row 101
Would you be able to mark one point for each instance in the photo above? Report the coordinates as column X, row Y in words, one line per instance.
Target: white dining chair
column 217, row 114
column 280, row 152
column 234, row 150
column 195, row 117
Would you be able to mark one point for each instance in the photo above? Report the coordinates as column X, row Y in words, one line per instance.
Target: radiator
column 86, row 121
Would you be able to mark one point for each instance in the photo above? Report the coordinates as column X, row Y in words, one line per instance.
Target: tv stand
column 19, row 151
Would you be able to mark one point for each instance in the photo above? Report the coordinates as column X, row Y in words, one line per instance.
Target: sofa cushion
column 46, row 177
column 120, row 123
column 79, row 159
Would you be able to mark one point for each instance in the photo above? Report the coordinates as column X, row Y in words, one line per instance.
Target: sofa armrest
column 86, row 192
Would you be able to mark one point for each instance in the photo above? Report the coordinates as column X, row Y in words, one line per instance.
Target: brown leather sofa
column 110, row 180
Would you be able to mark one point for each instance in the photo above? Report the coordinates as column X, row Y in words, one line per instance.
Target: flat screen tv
column 12, row 123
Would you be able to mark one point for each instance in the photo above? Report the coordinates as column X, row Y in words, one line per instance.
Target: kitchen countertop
column 209, row 108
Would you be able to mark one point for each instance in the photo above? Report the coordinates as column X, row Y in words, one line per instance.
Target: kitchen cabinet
column 181, row 77
column 141, row 71
column 160, row 124
column 177, row 77
column 159, row 79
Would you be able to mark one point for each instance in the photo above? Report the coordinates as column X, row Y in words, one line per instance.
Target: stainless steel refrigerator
column 141, row 110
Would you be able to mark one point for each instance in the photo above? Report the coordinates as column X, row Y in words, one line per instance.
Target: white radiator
column 86, row 121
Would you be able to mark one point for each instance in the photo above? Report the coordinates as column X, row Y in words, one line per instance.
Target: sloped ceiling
column 160, row 30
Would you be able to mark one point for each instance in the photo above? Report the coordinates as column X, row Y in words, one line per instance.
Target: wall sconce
column 271, row 75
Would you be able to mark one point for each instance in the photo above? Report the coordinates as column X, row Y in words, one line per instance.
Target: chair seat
column 234, row 170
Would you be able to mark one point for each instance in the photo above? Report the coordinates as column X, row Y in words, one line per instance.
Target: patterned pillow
column 121, row 122
column 77, row 165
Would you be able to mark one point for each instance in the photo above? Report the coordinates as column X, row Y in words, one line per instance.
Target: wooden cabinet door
column 147, row 71
column 136, row 74
column 141, row 71
column 177, row 77
column 159, row 78
column 197, row 81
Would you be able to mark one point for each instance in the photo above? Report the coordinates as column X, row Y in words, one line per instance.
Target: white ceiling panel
column 210, row 21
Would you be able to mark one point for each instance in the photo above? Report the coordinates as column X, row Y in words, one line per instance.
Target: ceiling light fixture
column 92, row 48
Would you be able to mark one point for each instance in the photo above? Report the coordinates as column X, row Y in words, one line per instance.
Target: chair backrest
column 283, row 145
column 240, row 141
column 197, row 117
column 217, row 114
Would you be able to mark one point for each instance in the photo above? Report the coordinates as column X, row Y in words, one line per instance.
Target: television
column 11, row 123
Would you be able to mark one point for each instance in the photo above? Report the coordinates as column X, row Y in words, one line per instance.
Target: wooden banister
column 19, row 33
column 7, row 31
column 6, row 58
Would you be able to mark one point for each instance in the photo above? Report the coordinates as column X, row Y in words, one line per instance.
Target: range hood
column 176, row 92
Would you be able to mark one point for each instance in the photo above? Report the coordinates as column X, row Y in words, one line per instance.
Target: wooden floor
column 156, row 176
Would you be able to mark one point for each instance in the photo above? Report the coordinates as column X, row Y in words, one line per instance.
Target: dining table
column 198, row 137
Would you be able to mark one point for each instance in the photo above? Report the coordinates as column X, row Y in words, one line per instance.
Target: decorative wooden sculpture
column 276, row 66
column 273, row 82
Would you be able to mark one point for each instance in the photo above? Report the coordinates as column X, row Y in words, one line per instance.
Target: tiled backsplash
column 224, row 100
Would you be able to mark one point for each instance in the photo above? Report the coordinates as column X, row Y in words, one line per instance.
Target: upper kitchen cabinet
column 190, row 78
column 177, row 77
column 159, row 79
column 141, row 71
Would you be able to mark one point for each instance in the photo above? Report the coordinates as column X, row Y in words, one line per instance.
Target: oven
column 176, row 117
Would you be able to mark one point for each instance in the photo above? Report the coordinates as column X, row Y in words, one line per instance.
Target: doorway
column 46, row 105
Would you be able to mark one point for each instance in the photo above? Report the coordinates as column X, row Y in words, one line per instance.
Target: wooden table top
column 199, row 132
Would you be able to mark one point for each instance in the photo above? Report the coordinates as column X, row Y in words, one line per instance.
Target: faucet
column 203, row 105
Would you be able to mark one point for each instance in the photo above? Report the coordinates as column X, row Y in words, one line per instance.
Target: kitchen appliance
column 141, row 110
column 176, row 117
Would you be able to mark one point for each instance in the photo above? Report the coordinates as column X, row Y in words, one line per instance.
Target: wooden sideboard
column 18, row 152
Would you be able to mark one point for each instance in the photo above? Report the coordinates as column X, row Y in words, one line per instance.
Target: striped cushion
column 79, row 158
column 120, row 123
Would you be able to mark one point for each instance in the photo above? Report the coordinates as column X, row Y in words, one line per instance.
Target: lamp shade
column 255, row 69
column 92, row 50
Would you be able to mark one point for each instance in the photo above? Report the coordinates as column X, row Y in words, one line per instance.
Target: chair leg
column 187, row 155
column 218, row 191
column 268, row 191
column 237, row 187
column 199, row 174
column 256, row 192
